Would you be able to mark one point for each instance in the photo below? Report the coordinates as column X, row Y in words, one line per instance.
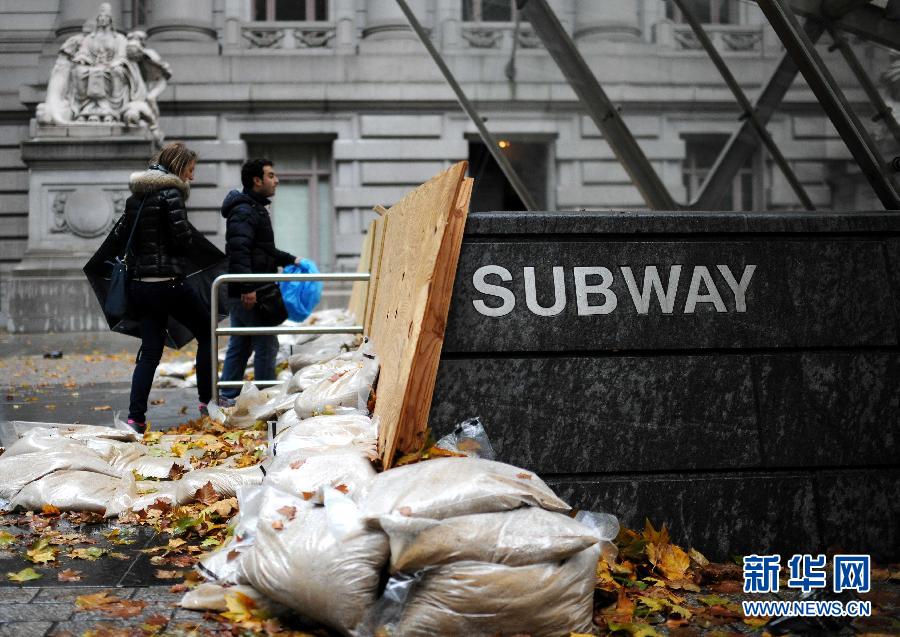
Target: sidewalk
column 89, row 384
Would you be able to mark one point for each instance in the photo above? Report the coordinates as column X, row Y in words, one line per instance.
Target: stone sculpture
column 102, row 76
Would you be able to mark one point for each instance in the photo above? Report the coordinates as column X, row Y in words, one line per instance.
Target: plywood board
column 422, row 238
column 357, row 304
column 378, row 231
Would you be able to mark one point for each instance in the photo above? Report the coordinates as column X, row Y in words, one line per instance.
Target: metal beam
column 718, row 187
column 832, row 99
column 868, row 22
column 514, row 180
column 600, row 108
column 745, row 142
column 883, row 112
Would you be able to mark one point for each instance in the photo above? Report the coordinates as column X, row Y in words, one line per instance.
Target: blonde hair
column 175, row 157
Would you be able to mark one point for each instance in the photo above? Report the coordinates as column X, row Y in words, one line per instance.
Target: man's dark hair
column 253, row 168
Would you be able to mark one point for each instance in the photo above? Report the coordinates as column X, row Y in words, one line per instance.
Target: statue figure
column 147, row 76
column 102, row 76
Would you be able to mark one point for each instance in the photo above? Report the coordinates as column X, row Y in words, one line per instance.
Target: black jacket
column 163, row 237
column 249, row 239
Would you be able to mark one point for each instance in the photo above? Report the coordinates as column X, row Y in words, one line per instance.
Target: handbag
column 116, row 303
column 270, row 306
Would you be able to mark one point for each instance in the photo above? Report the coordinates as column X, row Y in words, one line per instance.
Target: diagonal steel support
column 514, row 180
column 745, row 142
column 832, row 100
column 868, row 21
column 600, row 108
column 882, row 110
column 717, row 191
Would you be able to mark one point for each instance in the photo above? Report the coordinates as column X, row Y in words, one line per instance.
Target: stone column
column 176, row 20
column 611, row 20
column 344, row 16
column 448, row 15
column 385, row 20
column 73, row 13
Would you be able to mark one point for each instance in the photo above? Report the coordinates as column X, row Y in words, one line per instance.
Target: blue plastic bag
column 301, row 297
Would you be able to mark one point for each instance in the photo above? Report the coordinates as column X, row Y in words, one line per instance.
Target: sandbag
column 225, row 481
column 516, row 538
column 320, row 349
column 345, row 391
column 473, row 599
column 37, row 439
column 307, row 477
column 274, row 407
column 19, row 470
column 69, row 491
column 323, row 433
column 300, row 560
column 311, row 374
column 210, row 596
column 225, row 564
column 448, row 487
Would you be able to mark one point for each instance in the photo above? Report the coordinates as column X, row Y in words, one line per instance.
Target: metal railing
column 217, row 331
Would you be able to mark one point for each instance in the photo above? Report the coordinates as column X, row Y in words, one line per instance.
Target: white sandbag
column 178, row 369
column 153, row 466
column 69, row 491
column 302, row 563
column 21, row 469
column 46, row 437
column 476, row 599
column 321, row 349
column 225, row 481
column 308, row 477
column 448, row 487
column 344, row 391
column 312, row 374
column 274, row 407
column 528, row 535
column 210, row 596
column 225, row 564
column 149, row 492
column 123, row 498
column 322, row 434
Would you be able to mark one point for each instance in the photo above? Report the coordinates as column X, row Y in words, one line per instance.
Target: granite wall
column 733, row 375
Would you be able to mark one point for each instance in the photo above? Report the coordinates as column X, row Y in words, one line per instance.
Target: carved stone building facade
column 344, row 99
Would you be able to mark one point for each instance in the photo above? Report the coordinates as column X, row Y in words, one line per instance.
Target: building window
column 290, row 10
column 706, row 11
column 138, row 13
column 488, row 10
column 302, row 212
column 531, row 161
column 701, row 152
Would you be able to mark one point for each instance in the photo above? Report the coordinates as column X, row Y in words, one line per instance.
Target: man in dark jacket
column 250, row 246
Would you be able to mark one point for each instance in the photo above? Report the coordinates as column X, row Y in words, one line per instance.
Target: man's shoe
column 225, row 402
column 138, row 427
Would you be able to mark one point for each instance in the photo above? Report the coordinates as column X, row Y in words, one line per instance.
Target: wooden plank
column 417, row 267
column 357, row 305
column 378, row 227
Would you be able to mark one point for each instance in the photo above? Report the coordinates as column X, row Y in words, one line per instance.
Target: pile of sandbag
column 71, row 467
column 105, row 470
column 479, row 547
column 472, row 546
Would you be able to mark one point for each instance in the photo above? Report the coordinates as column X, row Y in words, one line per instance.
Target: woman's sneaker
column 204, row 410
column 138, row 427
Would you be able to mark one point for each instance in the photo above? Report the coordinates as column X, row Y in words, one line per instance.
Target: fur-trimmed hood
column 153, row 179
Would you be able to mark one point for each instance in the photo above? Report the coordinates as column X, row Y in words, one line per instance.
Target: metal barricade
column 278, row 329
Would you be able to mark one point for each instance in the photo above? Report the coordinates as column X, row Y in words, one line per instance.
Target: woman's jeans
column 264, row 348
column 155, row 302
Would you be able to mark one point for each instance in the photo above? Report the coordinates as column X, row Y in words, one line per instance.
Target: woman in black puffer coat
column 162, row 245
